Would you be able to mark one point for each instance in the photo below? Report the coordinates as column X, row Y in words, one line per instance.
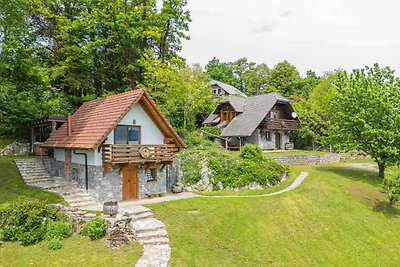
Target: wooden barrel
column 39, row 150
column 110, row 207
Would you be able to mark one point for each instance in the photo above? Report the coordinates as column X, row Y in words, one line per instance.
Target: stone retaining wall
column 307, row 159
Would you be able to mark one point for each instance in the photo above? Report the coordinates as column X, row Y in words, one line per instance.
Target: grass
column 4, row 141
column 293, row 153
column 76, row 251
column 291, row 177
column 335, row 218
column 13, row 188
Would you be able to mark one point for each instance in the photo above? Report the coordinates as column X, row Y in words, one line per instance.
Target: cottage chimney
column 69, row 125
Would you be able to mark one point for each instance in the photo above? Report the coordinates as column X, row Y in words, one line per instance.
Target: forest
column 56, row 54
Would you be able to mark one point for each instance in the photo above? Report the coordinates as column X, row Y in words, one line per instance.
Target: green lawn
column 12, row 187
column 76, row 251
column 4, row 141
column 333, row 219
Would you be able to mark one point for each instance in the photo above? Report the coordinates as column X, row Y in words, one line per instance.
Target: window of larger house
column 127, row 134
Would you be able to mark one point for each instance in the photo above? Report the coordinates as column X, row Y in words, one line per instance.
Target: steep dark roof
column 255, row 110
column 227, row 88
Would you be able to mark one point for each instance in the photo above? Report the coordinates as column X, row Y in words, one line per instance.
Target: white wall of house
column 259, row 138
column 150, row 135
column 93, row 159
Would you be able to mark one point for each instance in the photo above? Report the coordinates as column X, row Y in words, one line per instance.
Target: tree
column 284, row 78
column 222, row 72
column 180, row 91
column 366, row 114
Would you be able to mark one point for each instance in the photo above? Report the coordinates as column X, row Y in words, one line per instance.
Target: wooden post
column 32, row 138
column 53, row 127
column 67, row 166
column 240, row 143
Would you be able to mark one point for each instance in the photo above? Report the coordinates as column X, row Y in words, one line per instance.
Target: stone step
column 141, row 216
column 147, row 225
column 35, row 181
column 50, row 186
column 27, row 177
column 155, row 241
column 78, row 194
column 72, row 201
column 133, row 210
column 34, row 173
column 96, row 207
column 82, row 203
column 152, row 234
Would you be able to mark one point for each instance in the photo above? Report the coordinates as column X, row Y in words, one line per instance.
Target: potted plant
column 110, row 207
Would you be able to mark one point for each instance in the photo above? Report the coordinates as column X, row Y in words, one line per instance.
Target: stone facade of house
column 110, row 186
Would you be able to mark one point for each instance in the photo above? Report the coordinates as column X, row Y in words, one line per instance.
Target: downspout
column 86, row 168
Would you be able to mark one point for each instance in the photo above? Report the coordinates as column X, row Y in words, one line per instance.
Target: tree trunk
column 382, row 167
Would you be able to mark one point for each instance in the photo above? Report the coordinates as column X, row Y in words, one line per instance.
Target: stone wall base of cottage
column 110, row 186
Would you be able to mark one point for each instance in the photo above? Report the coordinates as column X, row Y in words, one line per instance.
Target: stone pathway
column 295, row 184
column 152, row 234
column 34, row 174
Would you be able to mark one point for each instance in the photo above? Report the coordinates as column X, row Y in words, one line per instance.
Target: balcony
column 280, row 124
column 116, row 154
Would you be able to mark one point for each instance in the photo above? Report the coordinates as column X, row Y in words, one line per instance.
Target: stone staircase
column 152, row 234
column 34, row 174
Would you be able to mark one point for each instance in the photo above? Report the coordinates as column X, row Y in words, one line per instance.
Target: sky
column 321, row 35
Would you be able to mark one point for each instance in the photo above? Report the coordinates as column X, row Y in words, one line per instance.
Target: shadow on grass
column 389, row 211
column 354, row 175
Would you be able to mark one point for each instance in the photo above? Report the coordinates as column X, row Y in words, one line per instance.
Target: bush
column 58, row 230
column 227, row 167
column 54, row 244
column 95, row 229
column 391, row 186
column 27, row 221
column 251, row 152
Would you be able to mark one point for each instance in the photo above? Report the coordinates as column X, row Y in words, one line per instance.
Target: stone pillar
column 68, row 159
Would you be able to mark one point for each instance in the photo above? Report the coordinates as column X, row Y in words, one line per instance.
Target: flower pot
column 110, row 207
column 177, row 189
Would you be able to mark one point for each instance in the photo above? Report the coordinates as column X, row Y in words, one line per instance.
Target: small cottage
column 263, row 120
column 117, row 147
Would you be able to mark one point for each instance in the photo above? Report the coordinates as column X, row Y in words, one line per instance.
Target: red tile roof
column 94, row 120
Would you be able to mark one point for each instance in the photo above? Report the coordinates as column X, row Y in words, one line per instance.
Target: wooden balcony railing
column 115, row 154
column 280, row 124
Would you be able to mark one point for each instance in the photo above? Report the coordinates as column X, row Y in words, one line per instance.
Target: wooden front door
column 278, row 141
column 129, row 182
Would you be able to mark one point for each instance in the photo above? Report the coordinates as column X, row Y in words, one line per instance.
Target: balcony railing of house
column 280, row 124
column 115, row 154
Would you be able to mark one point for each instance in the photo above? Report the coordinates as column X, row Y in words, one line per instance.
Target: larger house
column 118, row 147
column 263, row 120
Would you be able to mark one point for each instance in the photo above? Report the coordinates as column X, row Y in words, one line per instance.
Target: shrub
column 227, row 167
column 95, row 229
column 58, row 230
column 26, row 221
column 54, row 244
column 391, row 186
column 251, row 152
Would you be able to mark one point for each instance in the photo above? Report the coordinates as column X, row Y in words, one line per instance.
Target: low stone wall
column 307, row 159
column 15, row 148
